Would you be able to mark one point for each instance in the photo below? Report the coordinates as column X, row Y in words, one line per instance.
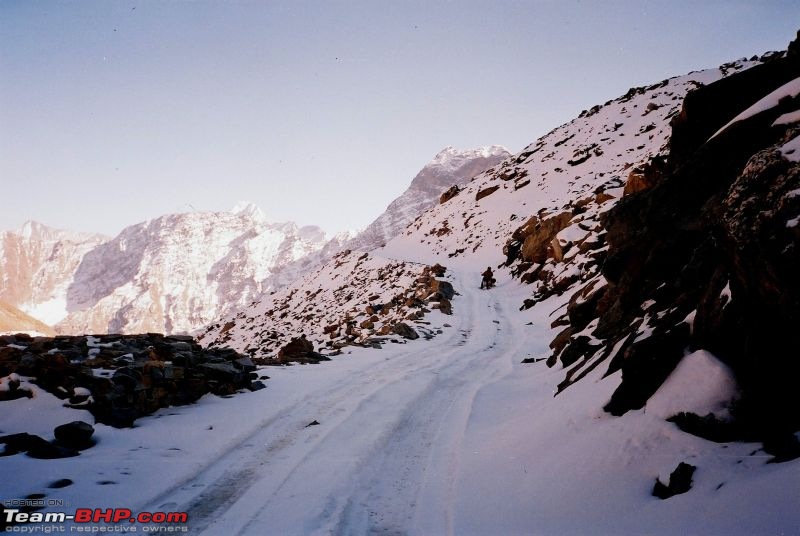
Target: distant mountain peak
column 450, row 166
column 452, row 158
column 251, row 210
column 32, row 229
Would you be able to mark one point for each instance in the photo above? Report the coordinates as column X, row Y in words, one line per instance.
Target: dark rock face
column 680, row 481
column 710, row 237
column 142, row 374
column 707, row 109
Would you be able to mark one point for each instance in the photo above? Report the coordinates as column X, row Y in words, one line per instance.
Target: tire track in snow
column 427, row 460
column 218, row 485
column 395, row 476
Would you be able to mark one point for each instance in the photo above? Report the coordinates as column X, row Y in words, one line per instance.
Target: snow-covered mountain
column 178, row 272
column 448, row 168
column 37, row 265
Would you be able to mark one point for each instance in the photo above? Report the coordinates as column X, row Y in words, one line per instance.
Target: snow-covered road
column 385, row 457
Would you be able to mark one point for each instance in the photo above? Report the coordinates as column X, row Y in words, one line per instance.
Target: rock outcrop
column 119, row 378
column 707, row 257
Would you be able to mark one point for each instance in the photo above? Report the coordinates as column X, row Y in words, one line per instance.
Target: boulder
column 44, row 450
column 438, row 270
column 256, row 385
column 531, row 242
column 449, row 194
column 75, row 435
column 405, row 331
column 442, row 288
column 445, row 306
column 486, row 192
column 297, row 347
column 35, row 446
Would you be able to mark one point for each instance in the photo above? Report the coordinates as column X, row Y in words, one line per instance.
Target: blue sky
column 319, row 112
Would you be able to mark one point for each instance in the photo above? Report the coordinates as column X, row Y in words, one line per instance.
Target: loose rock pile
column 119, row 378
column 355, row 300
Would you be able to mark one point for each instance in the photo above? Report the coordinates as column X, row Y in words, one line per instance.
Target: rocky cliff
column 706, row 257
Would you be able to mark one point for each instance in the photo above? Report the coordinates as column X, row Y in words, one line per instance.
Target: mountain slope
column 178, row 272
column 584, row 162
column 353, row 299
column 12, row 320
column 37, row 264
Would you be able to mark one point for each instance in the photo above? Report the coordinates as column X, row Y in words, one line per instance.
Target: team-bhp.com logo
column 87, row 519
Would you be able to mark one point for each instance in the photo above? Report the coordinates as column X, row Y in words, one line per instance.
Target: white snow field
column 447, row 436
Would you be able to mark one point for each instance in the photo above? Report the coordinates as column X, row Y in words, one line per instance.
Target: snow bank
column 700, row 384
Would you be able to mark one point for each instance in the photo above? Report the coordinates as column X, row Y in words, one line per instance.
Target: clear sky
column 319, row 112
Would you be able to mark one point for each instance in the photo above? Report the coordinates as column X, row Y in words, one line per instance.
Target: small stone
column 256, row 385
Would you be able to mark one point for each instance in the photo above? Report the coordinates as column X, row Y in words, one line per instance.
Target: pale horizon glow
column 115, row 112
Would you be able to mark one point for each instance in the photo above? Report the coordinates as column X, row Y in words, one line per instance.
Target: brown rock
column 449, row 194
column 297, row 347
column 645, row 176
column 486, row 192
column 444, row 306
column 330, row 329
column 537, row 234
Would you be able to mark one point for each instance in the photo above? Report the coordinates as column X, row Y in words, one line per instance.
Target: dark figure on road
column 488, row 278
